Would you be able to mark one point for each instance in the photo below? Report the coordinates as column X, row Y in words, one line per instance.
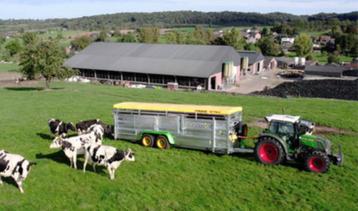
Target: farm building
column 254, row 60
column 187, row 66
column 270, row 63
column 329, row 70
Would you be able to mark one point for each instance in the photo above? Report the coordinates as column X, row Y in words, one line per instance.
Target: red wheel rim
column 316, row 164
column 269, row 153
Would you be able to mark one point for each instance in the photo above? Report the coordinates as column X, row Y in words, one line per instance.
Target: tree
column 269, row 47
column 265, row 31
column 2, row 40
column 80, row 43
column 233, row 38
column 29, row 38
column 13, row 47
column 250, row 47
column 127, row 38
column 45, row 58
column 333, row 58
column 303, row 45
column 27, row 56
column 148, row 35
column 102, row 37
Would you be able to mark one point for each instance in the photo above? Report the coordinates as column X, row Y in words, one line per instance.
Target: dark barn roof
column 252, row 55
column 331, row 70
column 163, row 59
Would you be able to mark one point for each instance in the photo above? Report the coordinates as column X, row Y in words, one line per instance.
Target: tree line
column 180, row 18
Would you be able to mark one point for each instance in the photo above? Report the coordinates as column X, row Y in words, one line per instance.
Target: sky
column 42, row 9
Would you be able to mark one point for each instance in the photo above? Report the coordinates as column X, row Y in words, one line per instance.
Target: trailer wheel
column 269, row 151
column 317, row 162
column 147, row 140
column 162, row 142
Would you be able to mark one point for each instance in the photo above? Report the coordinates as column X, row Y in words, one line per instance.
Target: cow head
column 56, row 143
column 129, row 155
column 70, row 126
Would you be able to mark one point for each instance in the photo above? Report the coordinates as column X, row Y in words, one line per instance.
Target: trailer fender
column 167, row 134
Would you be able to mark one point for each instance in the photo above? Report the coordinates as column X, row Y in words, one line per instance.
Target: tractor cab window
column 286, row 129
column 283, row 128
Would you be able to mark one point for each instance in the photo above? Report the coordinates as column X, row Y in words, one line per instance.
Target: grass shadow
column 10, row 181
column 24, row 88
column 60, row 157
column 32, row 88
column 251, row 157
column 45, row 136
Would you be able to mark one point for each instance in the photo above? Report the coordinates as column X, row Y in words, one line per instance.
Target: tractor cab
column 289, row 128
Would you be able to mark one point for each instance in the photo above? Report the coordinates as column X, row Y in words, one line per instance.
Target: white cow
column 15, row 166
column 74, row 146
column 107, row 156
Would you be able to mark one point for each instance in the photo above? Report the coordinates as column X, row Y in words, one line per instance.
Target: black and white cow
column 107, row 156
column 83, row 126
column 74, row 146
column 60, row 128
column 15, row 166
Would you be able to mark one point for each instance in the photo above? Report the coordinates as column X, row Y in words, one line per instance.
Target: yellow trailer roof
column 182, row 108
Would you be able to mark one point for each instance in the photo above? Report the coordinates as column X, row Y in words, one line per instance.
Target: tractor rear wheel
column 147, row 140
column 269, row 151
column 162, row 142
column 317, row 162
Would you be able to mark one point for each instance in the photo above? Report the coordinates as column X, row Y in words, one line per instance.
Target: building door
column 258, row 67
column 213, row 83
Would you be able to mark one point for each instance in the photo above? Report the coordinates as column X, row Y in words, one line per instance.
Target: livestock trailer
column 188, row 126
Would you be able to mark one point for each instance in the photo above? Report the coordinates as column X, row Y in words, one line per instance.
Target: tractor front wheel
column 269, row 151
column 317, row 162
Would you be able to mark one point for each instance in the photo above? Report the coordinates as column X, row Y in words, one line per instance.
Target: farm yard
column 177, row 179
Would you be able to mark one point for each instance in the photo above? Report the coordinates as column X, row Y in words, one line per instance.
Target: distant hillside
column 170, row 19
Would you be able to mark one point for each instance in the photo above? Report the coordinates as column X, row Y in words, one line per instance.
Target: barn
column 186, row 66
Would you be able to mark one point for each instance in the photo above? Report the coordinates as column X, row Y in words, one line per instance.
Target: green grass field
column 9, row 67
column 176, row 179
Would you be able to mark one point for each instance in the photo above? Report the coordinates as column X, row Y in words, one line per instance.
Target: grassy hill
column 173, row 179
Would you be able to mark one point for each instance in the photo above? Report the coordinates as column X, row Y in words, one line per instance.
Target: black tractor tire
column 317, row 162
column 148, row 140
column 269, row 151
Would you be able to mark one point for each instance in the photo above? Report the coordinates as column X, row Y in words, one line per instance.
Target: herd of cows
column 88, row 142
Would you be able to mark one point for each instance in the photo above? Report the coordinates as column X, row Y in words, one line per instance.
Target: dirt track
column 8, row 79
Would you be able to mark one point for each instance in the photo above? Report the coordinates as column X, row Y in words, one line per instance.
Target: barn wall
column 238, row 72
column 218, row 80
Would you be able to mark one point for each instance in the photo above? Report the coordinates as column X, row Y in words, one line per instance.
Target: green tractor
column 288, row 138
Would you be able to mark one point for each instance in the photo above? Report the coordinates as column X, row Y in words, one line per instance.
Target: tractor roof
column 283, row 118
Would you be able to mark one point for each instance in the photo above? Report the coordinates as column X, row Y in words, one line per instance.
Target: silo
column 296, row 61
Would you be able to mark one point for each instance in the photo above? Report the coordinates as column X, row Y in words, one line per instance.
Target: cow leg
column 111, row 176
column 71, row 163
column 18, row 181
column 75, row 160
column 85, row 163
column 94, row 167
column 19, row 184
column 1, row 181
column 113, row 173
